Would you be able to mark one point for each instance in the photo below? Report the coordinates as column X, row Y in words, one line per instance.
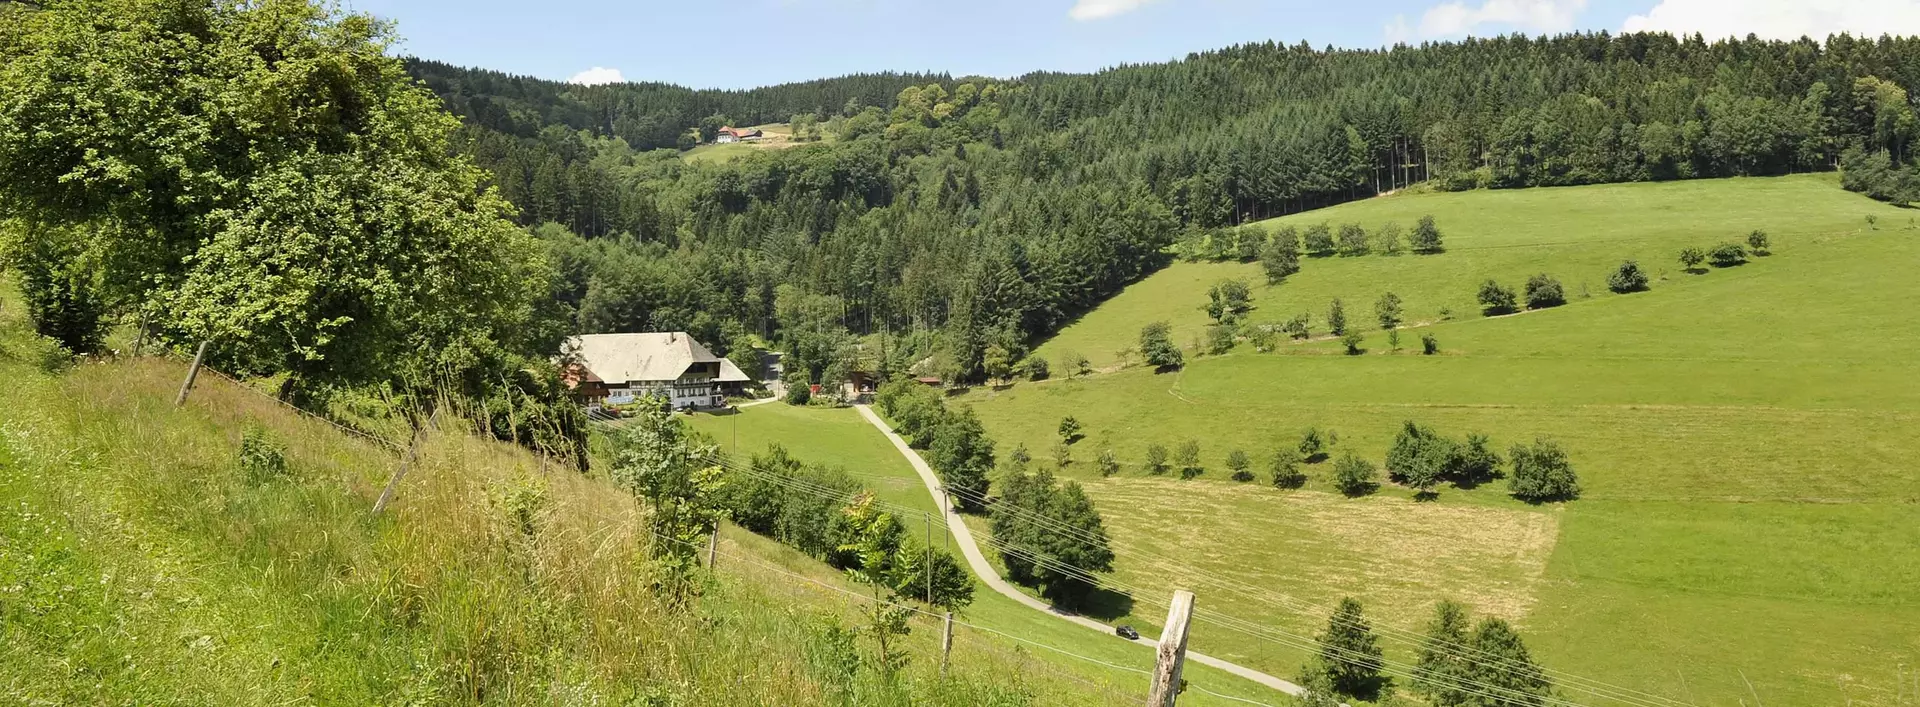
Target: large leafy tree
column 264, row 175
column 1050, row 535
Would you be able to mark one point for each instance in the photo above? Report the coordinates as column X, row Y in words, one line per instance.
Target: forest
column 983, row 214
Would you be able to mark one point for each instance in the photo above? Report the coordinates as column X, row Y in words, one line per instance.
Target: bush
column 1352, row 340
column 1238, row 463
column 1318, row 240
column 261, row 459
column 1421, row 458
column 1108, row 463
column 799, row 386
column 1627, row 278
column 1353, row 240
column 1757, row 241
column 1188, row 458
column 1388, row 239
column 1286, row 468
column 1496, row 299
column 1220, row 338
column 1069, row 429
column 1075, row 364
column 1543, row 291
column 1156, row 459
column 1426, row 237
column 1337, row 317
column 1727, row 255
column 1541, row 473
column 1296, row 327
column 1387, row 310
column 1062, row 455
column 1315, row 444
column 1227, row 300
column 1429, row 345
column 1156, row 345
column 1354, row 476
column 1262, row 337
column 1280, row 258
column 1478, row 462
column 1691, row 258
column 1037, row 369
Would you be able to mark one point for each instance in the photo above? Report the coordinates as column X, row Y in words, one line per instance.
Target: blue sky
column 757, row 42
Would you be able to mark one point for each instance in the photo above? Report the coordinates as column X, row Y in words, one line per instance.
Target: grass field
column 840, row 437
column 1744, row 436
column 775, row 136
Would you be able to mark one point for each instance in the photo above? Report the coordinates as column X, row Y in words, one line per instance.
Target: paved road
column 964, row 537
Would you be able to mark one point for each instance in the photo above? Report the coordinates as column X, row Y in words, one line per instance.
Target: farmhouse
column 727, row 135
column 612, row 369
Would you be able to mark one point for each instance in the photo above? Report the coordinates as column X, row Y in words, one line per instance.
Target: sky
column 749, row 43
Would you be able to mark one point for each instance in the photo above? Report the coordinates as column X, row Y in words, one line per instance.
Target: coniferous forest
column 983, row 213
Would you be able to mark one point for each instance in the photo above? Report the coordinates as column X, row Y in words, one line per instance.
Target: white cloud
column 1457, row 18
column 597, row 76
column 1099, row 9
column 1779, row 19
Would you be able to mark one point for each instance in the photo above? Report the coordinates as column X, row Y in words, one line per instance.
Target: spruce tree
column 1503, row 671
column 1350, row 654
column 1426, row 237
column 1443, row 668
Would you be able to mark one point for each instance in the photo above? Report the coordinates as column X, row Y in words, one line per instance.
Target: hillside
column 1740, row 435
column 144, row 561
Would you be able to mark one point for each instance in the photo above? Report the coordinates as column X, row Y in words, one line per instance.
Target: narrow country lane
column 964, row 537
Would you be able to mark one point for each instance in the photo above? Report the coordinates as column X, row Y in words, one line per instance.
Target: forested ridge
column 994, row 211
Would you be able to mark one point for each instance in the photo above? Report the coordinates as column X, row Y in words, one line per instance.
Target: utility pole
column 1172, row 653
column 193, row 372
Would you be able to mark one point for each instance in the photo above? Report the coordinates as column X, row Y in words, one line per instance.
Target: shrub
column 261, row 459
column 1478, row 462
column 1429, row 345
column 1075, row 364
column 1238, row 463
column 1286, row 468
column 1037, row 369
column 1296, row 327
column 1691, row 258
column 1352, row 341
column 1421, row 458
column 1062, row 454
column 1496, row 299
column 1727, row 255
column 1426, row 237
column 1315, row 444
column 1542, row 473
column 1353, row 240
column 1156, row 459
column 1388, row 238
column 1543, row 291
column 1108, row 463
column 1188, row 458
column 799, row 386
column 1069, row 429
column 1337, row 317
column 1280, row 258
column 1220, row 338
column 1387, row 310
column 1354, row 476
column 1627, row 278
column 1227, row 300
column 1156, row 345
column 1757, row 242
column 1262, row 337
column 1318, row 240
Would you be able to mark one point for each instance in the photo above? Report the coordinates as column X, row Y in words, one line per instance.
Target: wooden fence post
column 393, row 483
column 713, row 546
column 1172, row 653
column 946, row 643
column 193, row 372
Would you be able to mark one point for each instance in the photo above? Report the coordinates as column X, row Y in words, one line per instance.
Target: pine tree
column 1337, row 318
column 1426, row 237
column 1502, row 666
column 1350, row 654
column 1443, row 668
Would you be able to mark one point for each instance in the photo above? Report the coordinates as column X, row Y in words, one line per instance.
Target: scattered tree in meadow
column 1541, row 473
column 1036, row 368
column 1627, row 278
column 1429, row 345
column 1496, row 298
column 1263, row 337
column 1315, row 445
column 1444, row 666
column 1019, row 458
column 1280, row 258
column 1318, row 241
column 963, row 455
column 1075, row 364
column 1156, row 458
column 1727, row 255
column 1296, row 327
column 1388, row 238
column 1337, row 317
column 1220, row 338
column 1062, row 454
column 1227, row 300
column 1241, row 467
column 1026, row 523
column 1544, row 291
column 1069, row 429
column 1156, row 346
column 1354, row 476
column 1426, row 237
column 1108, row 463
column 997, row 363
column 1188, row 459
column 1387, row 310
column 1478, row 463
column 1349, row 653
column 1691, row 258
column 1352, row 341
column 1502, row 665
column 1421, row 458
column 1758, row 243
column 1353, row 240
column 1285, row 468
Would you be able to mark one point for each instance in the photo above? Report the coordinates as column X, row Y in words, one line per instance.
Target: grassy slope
column 140, row 565
column 1744, row 437
column 840, row 437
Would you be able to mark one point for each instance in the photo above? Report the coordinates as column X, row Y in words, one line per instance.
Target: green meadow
column 1748, row 531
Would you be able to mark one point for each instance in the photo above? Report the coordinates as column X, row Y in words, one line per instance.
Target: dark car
column 1126, row 632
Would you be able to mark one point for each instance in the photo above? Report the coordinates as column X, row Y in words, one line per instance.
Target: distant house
column 727, row 135
column 613, row 369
